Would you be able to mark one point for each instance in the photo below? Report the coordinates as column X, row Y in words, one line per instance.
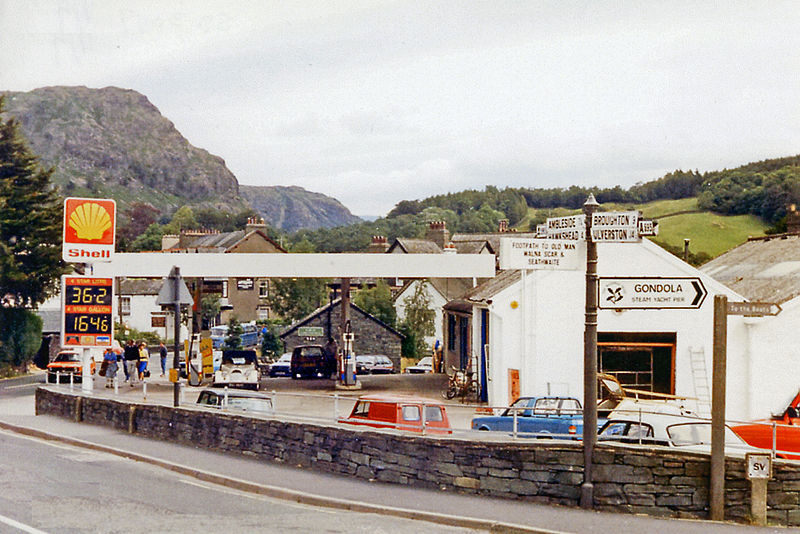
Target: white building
column 526, row 337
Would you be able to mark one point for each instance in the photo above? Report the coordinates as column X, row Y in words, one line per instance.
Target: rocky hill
column 113, row 142
column 292, row 208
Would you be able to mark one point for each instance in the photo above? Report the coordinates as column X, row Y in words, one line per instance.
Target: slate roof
column 222, row 242
column 333, row 305
column 51, row 321
column 415, row 246
column 764, row 269
column 140, row 286
column 493, row 239
column 493, row 286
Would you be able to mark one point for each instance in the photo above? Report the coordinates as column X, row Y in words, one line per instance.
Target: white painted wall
column 549, row 323
column 437, row 304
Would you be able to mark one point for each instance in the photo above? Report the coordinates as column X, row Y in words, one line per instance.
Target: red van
column 402, row 413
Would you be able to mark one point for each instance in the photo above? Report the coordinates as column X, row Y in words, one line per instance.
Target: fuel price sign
column 86, row 319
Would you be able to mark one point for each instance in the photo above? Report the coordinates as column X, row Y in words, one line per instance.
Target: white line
column 20, row 526
column 23, row 385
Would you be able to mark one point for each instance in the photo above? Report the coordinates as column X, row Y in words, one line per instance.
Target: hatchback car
column 425, row 365
column 242, row 401
column 282, row 367
column 373, row 364
column 66, row 364
column 399, row 412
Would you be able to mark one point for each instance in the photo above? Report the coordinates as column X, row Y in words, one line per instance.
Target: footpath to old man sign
column 89, row 229
column 545, row 254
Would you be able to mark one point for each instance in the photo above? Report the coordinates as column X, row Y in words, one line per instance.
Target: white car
column 425, row 365
column 239, row 368
column 373, row 364
column 669, row 428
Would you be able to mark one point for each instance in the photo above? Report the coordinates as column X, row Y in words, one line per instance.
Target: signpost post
column 174, row 293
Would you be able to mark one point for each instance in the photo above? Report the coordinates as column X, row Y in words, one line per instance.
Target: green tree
column 30, row 223
column 20, row 337
column 294, row 298
column 209, row 307
column 418, row 321
column 233, row 340
column 377, row 301
column 271, row 344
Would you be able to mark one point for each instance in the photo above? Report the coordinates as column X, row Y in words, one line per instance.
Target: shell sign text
column 89, row 229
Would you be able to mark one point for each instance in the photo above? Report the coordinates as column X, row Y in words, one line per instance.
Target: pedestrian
column 162, row 351
column 132, row 361
column 144, row 359
column 329, row 354
column 110, row 363
column 121, row 360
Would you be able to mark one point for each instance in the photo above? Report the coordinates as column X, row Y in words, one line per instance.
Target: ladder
column 697, row 358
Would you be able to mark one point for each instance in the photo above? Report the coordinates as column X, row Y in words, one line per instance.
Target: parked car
column 400, row 412
column 243, row 401
column 282, row 367
column 542, row 416
column 67, row 363
column 668, row 429
column 425, row 365
column 787, row 431
column 309, row 361
column 373, row 364
column 239, row 368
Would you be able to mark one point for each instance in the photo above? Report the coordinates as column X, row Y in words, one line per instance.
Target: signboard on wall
column 310, row 331
column 650, row 293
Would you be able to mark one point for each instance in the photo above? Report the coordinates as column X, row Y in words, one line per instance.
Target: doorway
column 644, row 361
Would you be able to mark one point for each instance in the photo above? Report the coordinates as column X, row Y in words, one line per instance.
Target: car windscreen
column 698, row 434
column 250, row 404
column 238, row 357
column 67, row 357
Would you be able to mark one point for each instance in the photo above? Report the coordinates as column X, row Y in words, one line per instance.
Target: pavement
column 319, row 489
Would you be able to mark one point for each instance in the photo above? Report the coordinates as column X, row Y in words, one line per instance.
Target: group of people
column 133, row 359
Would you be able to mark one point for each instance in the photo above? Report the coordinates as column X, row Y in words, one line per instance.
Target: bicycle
column 461, row 384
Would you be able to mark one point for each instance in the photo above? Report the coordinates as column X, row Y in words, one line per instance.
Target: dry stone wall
column 656, row 482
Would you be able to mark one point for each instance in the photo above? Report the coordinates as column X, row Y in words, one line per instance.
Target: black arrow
column 701, row 292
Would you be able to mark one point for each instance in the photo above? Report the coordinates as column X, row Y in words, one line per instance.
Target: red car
column 402, row 413
column 787, row 431
column 67, row 362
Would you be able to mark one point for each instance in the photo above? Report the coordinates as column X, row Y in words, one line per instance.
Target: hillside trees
column 30, row 244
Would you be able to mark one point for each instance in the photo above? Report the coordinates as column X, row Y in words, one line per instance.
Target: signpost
column 571, row 227
column 541, row 254
column 651, row 293
column 753, row 309
column 759, row 471
column 615, row 227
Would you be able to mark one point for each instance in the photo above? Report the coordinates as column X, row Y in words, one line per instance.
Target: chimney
column 438, row 233
column 792, row 220
column 503, row 226
column 450, row 248
column 255, row 223
column 378, row 245
column 169, row 241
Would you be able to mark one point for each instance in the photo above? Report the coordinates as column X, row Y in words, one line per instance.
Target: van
column 309, row 361
column 400, row 412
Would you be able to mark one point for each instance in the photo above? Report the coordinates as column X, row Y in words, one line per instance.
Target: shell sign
column 89, row 229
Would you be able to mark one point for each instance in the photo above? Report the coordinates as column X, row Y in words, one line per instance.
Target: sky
column 374, row 102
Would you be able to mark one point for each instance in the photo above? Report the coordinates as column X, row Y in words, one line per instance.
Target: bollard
column 58, row 377
column 71, row 380
column 225, row 399
column 273, row 396
column 116, row 386
column 516, row 424
column 144, row 389
column 335, row 407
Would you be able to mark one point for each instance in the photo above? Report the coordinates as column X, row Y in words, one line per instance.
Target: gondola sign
column 650, row 293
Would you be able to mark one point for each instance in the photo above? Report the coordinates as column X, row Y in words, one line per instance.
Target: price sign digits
column 87, row 309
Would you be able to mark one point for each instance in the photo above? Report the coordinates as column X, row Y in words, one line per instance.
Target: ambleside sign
column 89, row 229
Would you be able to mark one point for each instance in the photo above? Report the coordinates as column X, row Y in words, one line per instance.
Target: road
column 58, row 488
column 40, row 475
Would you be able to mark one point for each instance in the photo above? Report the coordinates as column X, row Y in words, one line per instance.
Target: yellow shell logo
column 90, row 221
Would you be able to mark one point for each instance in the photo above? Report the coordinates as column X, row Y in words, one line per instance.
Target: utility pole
column 589, row 358
column 718, row 378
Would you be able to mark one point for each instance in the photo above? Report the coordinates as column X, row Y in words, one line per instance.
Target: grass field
column 708, row 232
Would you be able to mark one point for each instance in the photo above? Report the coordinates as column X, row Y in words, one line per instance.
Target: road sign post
column 589, row 359
column 175, row 294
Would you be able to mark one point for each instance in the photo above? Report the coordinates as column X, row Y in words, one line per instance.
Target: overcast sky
column 377, row 102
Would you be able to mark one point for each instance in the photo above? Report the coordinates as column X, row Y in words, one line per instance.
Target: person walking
column 132, row 357
column 162, row 351
column 144, row 359
column 110, row 363
column 121, row 360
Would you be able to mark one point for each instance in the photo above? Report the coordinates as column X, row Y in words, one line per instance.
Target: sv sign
column 759, row 465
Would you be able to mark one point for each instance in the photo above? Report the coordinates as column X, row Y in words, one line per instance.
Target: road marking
column 20, row 526
column 35, row 384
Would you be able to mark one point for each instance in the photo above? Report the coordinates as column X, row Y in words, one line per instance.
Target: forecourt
column 329, row 265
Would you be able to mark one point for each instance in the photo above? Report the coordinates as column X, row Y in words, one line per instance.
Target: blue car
column 283, row 367
column 537, row 417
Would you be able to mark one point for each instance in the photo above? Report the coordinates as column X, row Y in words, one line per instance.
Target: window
column 124, row 305
column 410, row 413
column 451, row 332
column 263, row 288
column 433, row 413
column 546, row 406
column 361, row 409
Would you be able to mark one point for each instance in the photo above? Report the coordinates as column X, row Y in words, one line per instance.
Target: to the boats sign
column 650, row 293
